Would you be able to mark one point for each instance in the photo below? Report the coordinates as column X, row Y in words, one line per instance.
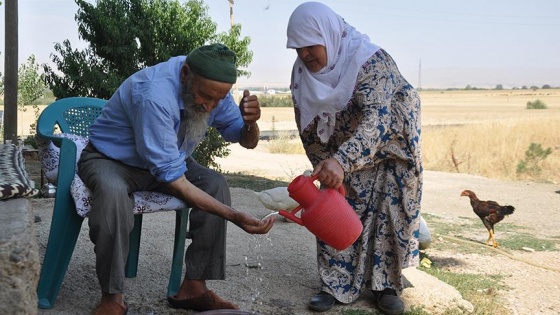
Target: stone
column 19, row 258
column 432, row 295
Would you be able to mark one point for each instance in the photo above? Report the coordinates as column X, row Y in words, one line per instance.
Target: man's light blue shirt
column 139, row 124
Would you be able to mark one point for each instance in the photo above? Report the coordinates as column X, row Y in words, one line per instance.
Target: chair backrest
column 71, row 115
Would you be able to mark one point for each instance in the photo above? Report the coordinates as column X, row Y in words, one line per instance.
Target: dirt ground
column 276, row 273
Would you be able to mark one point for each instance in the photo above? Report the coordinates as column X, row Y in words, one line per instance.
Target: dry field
column 484, row 133
column 488, row 133
column 479, row 132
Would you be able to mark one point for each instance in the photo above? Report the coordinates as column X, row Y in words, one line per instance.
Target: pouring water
column 269, row 215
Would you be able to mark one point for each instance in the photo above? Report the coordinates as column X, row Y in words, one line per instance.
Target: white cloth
column 144, row 201
column 329, row 90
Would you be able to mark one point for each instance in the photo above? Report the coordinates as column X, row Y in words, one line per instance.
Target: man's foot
column 388, row 302
column 321, row 302
column 111, row 304
column 205, row 302
column 106, row 307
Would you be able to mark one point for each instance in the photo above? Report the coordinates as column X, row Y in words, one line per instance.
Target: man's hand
column 197, row 198
column 330, row 173
column 252, row 225
column 251, row 112
column 250, row 108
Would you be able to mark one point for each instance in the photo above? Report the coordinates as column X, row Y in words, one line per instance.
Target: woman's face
column 314, row 57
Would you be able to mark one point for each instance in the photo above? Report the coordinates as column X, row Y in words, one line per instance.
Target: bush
column 213, row 146
column 538, row 104
column 533, row 156
column 275, row 101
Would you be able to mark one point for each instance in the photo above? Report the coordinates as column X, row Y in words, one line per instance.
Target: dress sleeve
column 373, row 138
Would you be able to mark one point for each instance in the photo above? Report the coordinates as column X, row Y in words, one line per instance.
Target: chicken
column 277, row 198
column 425, row 237
column 490, row 212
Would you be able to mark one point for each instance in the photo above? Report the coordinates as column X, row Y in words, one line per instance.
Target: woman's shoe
column 388, row 302
column 321, row 302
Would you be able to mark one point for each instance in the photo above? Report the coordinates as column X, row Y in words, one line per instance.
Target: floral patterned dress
column 377, row 143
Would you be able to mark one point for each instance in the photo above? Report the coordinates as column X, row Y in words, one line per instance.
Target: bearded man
column 143, row 141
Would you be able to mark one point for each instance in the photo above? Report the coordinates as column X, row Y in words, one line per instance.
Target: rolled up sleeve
column 155, row 130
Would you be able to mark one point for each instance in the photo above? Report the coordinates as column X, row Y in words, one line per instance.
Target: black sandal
column 388, row 302
column 321, row 302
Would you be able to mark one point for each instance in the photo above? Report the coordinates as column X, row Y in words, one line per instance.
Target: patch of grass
column 514, row 239
column 459, row 247
column 285, row 144
column 358, row 312
column 520, row 240
column 414, row 310
column 438, row 225
column 255, row 183
column 480, row 290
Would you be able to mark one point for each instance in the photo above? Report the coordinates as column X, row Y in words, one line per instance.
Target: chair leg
column 181, row 228
column 64, row 232
column 131, row 268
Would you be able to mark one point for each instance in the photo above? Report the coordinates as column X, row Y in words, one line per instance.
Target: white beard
column 197, row 122
column 196, row 119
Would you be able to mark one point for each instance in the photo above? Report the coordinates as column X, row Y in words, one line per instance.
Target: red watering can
column 325, row 212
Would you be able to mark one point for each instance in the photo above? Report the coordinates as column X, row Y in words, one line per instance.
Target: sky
column 435, row 43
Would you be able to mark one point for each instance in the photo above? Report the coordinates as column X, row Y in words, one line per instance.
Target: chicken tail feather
column 505, row 210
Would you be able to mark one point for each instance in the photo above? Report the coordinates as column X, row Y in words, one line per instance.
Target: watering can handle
column 292, row 215
column 341, row 189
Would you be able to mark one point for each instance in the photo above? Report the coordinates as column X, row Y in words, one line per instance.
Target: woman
column 359, row 121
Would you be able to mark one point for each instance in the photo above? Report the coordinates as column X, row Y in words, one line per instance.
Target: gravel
column 276, row 273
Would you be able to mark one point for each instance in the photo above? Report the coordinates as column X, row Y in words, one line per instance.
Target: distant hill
column 487, row 78
column 455, row 77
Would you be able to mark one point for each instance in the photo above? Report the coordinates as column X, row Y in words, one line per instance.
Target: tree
column 155, row 31
column 125, row 36
column 31, row 84
column 31, row 87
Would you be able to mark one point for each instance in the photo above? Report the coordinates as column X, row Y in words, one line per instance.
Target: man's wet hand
column 253, row 225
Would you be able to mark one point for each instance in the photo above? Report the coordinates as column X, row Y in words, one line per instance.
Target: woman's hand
column 330, row 173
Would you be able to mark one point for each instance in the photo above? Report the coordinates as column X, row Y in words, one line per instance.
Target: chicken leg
column 491, row 238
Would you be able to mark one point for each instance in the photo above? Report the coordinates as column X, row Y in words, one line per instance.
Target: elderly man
column 143, row 140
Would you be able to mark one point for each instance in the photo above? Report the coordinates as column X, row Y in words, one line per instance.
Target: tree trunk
column 11, row 68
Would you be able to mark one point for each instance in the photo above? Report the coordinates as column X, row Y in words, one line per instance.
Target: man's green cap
column 215, row 62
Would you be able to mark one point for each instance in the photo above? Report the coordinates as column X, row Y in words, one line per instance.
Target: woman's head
column 330, row 54
column 314, row 57
column 315, row 31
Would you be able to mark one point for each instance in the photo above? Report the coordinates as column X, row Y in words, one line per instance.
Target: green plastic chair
column 75, row 115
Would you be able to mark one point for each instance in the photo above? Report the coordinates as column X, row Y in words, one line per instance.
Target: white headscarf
column 327, row 91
